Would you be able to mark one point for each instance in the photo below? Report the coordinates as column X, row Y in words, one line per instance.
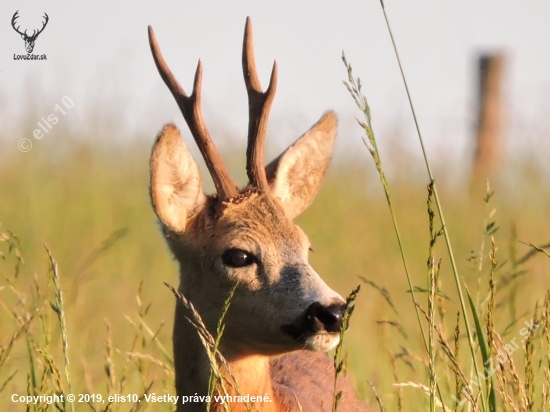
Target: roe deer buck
column 281, row 311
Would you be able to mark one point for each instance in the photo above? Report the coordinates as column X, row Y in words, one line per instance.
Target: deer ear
column 296, row 175
column 176, row 184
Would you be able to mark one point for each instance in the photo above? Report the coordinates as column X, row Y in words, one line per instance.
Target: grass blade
column 484, row 353
column 438, row 204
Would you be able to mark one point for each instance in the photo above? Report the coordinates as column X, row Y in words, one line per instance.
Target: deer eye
column 237, row 258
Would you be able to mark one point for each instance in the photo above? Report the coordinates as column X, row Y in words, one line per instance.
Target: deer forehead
column 255, row 221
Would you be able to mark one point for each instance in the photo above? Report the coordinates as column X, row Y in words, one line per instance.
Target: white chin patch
column 322, row 341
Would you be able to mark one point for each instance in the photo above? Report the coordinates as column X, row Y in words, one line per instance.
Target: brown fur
column 301, row 379
column 310, row 376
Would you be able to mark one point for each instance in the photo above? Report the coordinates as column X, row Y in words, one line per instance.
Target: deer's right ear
column 176, row 184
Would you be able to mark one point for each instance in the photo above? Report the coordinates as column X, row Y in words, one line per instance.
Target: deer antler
column 259, row 104
column 35, row 33
column 13, row 19
column 43, row 26
column 190, row 107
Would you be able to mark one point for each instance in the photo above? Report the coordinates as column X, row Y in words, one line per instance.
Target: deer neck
column 252, row 376
column 251, row 372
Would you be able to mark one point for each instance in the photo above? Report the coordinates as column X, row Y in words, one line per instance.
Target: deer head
column 245, row 236
column 29, row 40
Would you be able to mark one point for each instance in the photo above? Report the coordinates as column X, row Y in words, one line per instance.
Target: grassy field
column 89, row 204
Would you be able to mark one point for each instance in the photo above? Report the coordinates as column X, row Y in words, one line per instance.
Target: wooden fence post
column 489, row 142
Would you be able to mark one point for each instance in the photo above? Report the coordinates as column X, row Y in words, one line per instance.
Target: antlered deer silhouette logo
column 29, row 40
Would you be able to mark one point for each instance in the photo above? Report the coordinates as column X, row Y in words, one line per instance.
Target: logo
column 29, row 40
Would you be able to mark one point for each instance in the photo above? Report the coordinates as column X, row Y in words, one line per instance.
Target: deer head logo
column 29, row 40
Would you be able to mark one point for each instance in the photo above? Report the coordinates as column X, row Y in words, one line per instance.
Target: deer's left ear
column 295, row 176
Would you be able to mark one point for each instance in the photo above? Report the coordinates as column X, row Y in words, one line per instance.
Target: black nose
column 330, row 317
column 315, row 319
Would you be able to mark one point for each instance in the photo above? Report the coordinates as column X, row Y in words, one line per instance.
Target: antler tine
column 13, row 22
column 47, row 19
column 259, row 105
column 190, row 107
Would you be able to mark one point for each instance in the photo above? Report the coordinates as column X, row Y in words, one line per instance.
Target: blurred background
column 479, row 74
column 98, row 55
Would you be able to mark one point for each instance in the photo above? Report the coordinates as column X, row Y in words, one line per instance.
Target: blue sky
column 98, row 55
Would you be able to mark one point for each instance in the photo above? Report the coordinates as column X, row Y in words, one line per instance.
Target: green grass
column 521, row 395
column 90, row 205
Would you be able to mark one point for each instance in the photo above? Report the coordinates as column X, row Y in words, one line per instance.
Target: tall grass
column 91, row 208
column 484, row 397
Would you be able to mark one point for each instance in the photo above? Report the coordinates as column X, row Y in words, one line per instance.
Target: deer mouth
column 317, row 322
